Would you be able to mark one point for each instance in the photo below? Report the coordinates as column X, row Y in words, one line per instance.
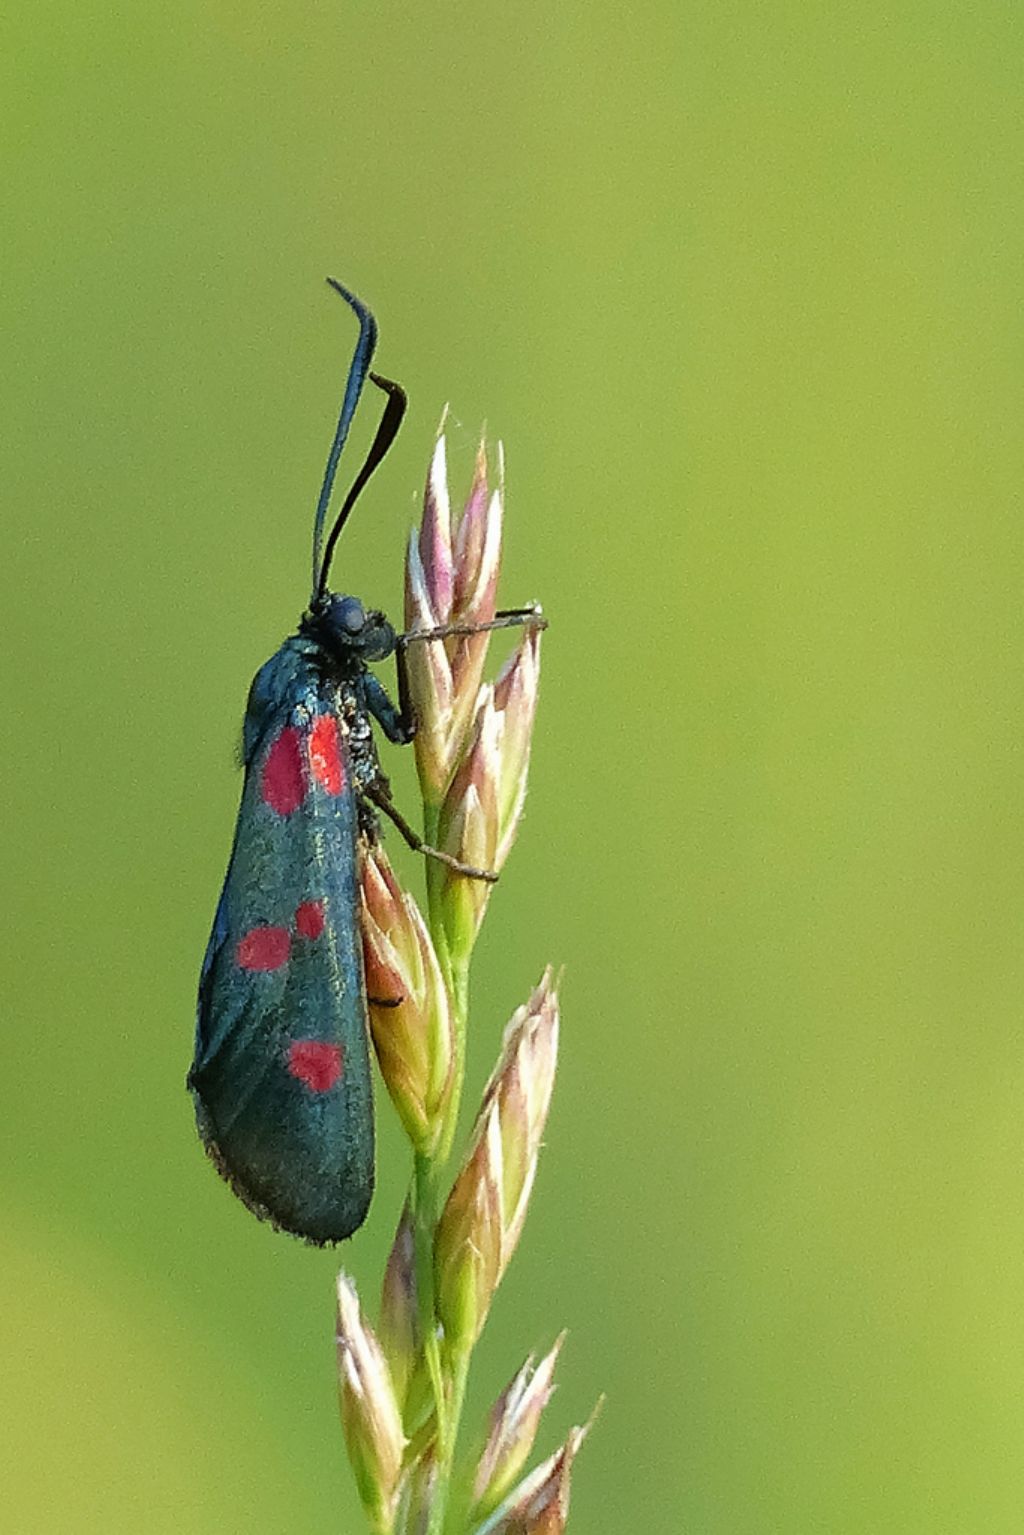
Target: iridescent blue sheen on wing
column 281, row 1075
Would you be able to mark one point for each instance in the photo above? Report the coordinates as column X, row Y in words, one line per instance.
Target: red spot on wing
column 315, row 1063
column 309, row 919
column 264, row 948
column 325, row 753
column 284, row 784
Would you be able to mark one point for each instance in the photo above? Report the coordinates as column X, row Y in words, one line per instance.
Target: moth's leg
column 530, row 617
column 405, row 708
column 399, row 725
column 380, row 797
column 506, row 618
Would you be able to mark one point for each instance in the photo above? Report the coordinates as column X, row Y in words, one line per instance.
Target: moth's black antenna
column 358, row 369
column 391, row 420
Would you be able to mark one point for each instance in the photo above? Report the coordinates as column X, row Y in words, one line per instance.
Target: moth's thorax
column 354, row 722
column 303, row 679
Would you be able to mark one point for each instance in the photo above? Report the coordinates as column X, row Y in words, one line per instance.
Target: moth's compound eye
column 350, row 615
column 378, row 640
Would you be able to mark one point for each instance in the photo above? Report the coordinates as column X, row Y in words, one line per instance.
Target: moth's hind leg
column 379, row 795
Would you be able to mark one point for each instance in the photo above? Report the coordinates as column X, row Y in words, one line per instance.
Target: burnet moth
column 281, row 1074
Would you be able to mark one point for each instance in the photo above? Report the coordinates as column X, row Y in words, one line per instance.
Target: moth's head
column 348, row 630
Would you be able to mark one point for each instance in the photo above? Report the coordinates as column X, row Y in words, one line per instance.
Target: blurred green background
column 739, row 286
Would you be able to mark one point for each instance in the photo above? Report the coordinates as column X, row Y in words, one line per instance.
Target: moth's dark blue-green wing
column 281, row 1075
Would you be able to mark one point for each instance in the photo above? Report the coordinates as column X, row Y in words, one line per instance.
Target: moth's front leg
column 398, row 724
